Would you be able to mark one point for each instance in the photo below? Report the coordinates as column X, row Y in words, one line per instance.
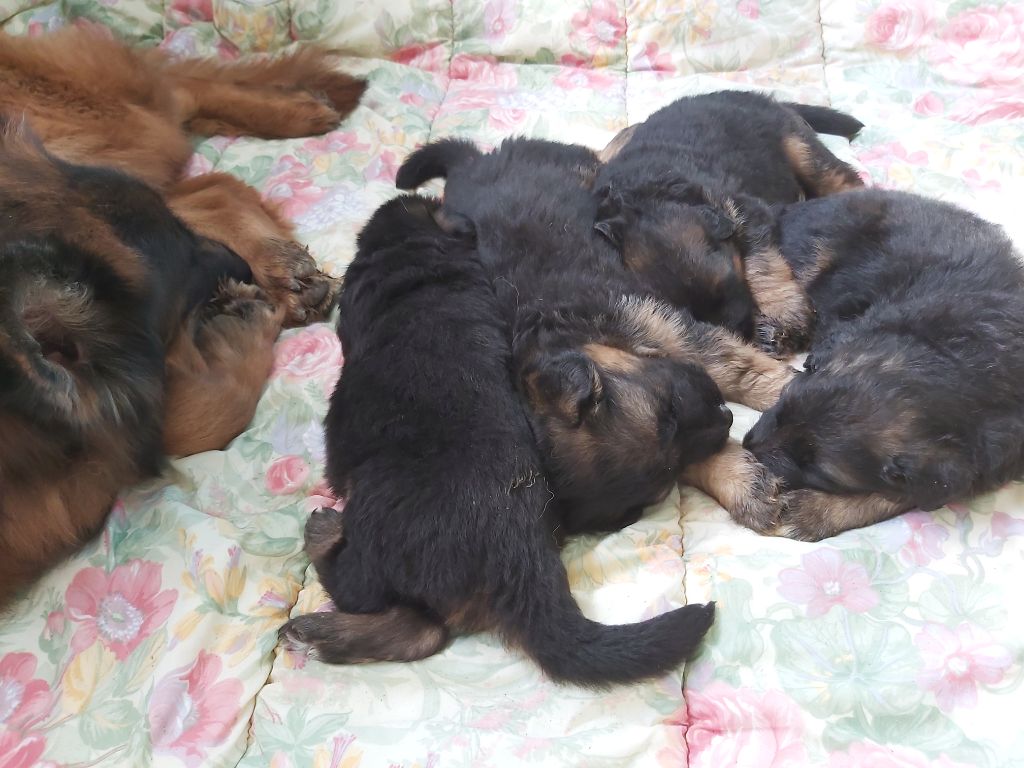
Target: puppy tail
column 828, row 120
column 540, row 615
column 434, row 161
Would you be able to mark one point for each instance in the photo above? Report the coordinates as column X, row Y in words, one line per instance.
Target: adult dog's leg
column 301, row 94
column 216, row 369
column 223, row 208
column 743, row 373
column 741, row 484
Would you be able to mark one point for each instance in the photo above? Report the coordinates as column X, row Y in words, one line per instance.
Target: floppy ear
column 455, row 224
column 896, row 470
column 610, row 221
column 565, row 382
column 719, row 225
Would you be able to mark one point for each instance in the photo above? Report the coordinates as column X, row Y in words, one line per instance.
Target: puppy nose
column 726, row 414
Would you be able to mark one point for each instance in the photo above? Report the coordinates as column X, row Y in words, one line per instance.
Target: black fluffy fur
column 914, row 384
column 447, row 517
column 673, row 198
column 561, row 287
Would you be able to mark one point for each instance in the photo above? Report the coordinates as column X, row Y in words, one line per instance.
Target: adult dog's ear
column 611, row 217
column 565, row 383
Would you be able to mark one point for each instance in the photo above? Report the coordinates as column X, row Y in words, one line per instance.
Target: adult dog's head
column 686, row 243
column 96, row 275
column 620, row 406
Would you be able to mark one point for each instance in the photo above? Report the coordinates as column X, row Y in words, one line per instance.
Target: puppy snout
column 726, row 414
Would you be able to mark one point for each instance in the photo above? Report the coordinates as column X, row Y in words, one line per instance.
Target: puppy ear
column 455, row 224
column 565, row 382
column 719, row 225
column 610, row 221
column 896, row 470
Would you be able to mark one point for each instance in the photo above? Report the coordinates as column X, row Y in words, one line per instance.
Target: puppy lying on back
column 625, row 392
column 912, row 395
column 674, row 192
column 448, row 519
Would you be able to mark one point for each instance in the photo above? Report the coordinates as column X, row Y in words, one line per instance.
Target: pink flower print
column 982, row 46
column 55, row 624
column 499, row 18
column 573, row 78
column 929, row 104
column 899, row 26
column 191, row 710
column 1004, row 525
column 973, row 180
column 381, row 167
column 956, row 661
column 826, row 579
column 309, row 353
column 286, row 475
column 120, row 608
column 926, row 539
column 867, row 754
column 24, row 700
column 749, row 8
column 196, row 10
column 730, row 726
column 18, row 751
column 650, row 59
column 321, row 497
column 291, row 188
column 885, row 155
column 428, row 56
column 1004, row 104
column 600, row 27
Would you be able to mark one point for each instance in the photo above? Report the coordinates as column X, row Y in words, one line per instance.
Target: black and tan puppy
column 625, row 391
column 912, row 396
column 675, row 191
column 448, row 517
column 97, row 277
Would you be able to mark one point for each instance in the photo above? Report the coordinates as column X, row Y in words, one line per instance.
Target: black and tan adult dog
column 675, row 192
column 104, row 364
column 625, row 391
column 448, row 518
column 912, row 397
column 99, row 284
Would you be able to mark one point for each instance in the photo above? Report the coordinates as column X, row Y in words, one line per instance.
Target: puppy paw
column 245, row 301
column 805, row 517
column 761, row 504
column 324, row 532
column 776, row 340
column 291, row 277
column 301, row 634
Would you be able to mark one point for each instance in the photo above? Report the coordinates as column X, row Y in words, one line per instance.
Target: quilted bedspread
column 895, row 645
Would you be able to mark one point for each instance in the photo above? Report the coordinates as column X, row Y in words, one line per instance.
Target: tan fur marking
column 612, row 359
column 813, row 515
column 613, row 147
column 776, row 291
column 736, row 480
column 819, row 171
column 744, row 374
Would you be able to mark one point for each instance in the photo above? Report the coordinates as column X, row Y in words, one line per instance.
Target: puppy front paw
column 777, row 340
column 760, row 504
column 806, row 516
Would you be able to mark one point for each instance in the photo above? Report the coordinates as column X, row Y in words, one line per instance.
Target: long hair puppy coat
column 447, row 525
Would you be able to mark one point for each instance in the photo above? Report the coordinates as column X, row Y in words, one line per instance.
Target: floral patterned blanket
column 896, row 645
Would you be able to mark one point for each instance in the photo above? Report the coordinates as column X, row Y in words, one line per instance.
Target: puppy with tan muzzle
column 911, row 396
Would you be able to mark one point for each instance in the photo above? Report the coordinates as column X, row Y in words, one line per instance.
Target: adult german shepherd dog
column 127, row 329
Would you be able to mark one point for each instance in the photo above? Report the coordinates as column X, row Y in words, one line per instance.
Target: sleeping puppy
column 625, row 392
column 674, row 190
column 97, row 277
column 912, row 393
column 448, row 518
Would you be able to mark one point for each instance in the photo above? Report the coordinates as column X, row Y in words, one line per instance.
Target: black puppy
column 675, row 192
column 447, row 522
column 912, row 396
column 622, row 387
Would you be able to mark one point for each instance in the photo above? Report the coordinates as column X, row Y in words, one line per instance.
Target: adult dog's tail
column 434, row 161
column 828, row 120
column 537, row 611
